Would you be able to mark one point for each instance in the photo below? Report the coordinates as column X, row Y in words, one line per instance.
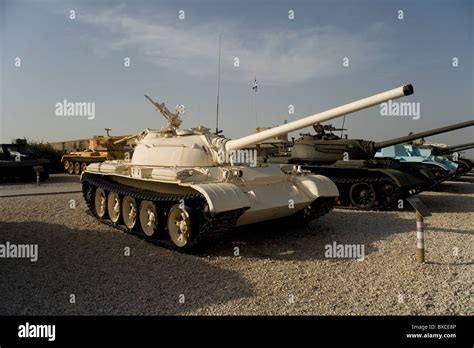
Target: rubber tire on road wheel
column 77, row 168
column 129, row 203
column 354, row 199
column 147, row 211
column 100, row 203
column 113, row 202
column 180, row 240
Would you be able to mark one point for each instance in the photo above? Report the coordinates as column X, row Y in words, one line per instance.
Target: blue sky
column 296, row 62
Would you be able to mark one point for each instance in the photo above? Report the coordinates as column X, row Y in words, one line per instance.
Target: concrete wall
column 71, row 145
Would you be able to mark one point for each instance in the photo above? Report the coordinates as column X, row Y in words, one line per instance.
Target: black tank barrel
column 382, row 144
column 441, row 151
column 457, row 147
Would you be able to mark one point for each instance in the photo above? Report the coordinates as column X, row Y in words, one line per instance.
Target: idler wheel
column 148, row 218
column 77, row 168
column 179, row 226
column 362, row 195
column 66, row 164
column 129, row 211
column 114, row 207
column 100, row 199
column 83, row 166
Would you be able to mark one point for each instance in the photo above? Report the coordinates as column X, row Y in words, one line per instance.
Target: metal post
column 420, row 239
column 37, row 177
column 218, row 84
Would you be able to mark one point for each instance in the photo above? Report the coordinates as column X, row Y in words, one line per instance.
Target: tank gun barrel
column 382, row 144
column 319, row 117
column 454, row 148
column 136, row 135
column 442, row 151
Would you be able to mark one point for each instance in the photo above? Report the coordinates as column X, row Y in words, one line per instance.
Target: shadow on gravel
column 468, row 263
column 449, row 203
column 456, row 187
column 92, row 266
column 283, row 242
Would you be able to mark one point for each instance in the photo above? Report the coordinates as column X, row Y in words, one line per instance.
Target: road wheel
column 179, row 226
column 129, row 212
column 113, row 207
column 66, row 165
column 149, row 218
column 83, row 166
column 362, row 195
column 77, row 168
column 70, row 168
column 100, row 199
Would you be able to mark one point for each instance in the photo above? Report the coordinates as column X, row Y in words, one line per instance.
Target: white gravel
column 279, row 270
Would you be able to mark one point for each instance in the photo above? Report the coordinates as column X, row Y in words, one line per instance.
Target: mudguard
column 223, row 196
column 317, row 186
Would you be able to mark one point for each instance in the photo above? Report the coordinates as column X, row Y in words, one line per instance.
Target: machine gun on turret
column 174, row 120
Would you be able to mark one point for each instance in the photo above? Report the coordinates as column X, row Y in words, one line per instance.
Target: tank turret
column 320, row 149
column 192, row 184
column 170, row 146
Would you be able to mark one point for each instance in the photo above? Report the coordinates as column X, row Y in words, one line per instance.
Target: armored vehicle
column 415, row 154
column 101, row 148
column 452, row 153
column 184, row 186
column 20, row 161
column 365, row 182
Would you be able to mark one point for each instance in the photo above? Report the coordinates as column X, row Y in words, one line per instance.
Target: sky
column 295, row 61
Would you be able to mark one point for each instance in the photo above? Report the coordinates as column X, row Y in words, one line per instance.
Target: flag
column 255, row 84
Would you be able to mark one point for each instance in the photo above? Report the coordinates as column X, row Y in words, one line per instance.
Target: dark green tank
column 21, row 162
column 365, row 182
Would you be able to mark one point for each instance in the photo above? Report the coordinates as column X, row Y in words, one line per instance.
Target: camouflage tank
column 453, row 153
column 366, row 182
column 185, row 186
column 101, row 148
column 20, row 161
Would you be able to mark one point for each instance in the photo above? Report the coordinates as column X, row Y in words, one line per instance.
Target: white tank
column 183, row 186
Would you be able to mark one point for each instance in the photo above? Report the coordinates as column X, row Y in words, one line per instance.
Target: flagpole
column 218, row 83
column 255, row 88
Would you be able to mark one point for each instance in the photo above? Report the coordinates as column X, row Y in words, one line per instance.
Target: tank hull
column 20, row 162
column 76, row 163
column 23, row 170
column 443, row 168
column 375, row 184
column 251, row 196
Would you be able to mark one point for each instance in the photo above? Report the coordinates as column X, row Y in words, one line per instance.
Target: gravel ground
column 279, row 270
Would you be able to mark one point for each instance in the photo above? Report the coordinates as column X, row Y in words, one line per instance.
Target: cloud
column 278, row 56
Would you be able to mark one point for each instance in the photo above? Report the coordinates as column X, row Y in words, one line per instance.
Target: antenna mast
column 342, row 128
column 218, row 82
